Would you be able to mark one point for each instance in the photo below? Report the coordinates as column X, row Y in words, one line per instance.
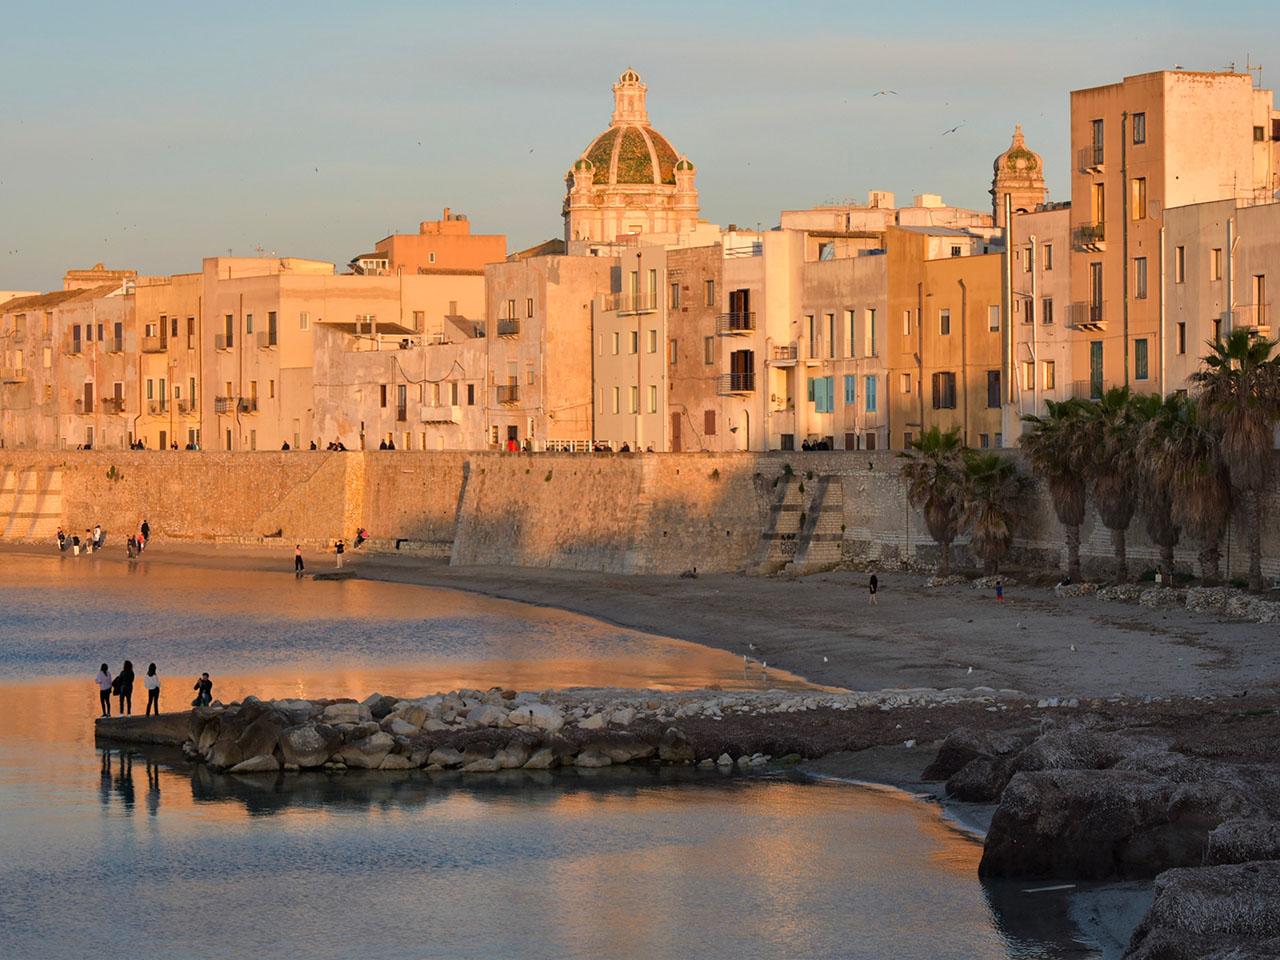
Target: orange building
column 440, row 246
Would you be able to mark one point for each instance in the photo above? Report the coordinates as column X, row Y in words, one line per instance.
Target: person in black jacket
column 124, row 688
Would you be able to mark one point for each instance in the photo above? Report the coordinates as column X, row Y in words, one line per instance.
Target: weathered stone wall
column 650, row 513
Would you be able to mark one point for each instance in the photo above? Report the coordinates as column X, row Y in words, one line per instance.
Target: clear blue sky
column 149, row 135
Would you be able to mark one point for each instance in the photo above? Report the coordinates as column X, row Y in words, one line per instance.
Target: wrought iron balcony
column 509, row 393
column 114, row 344
column 731, row 383
column 783, row 355
column 631, row 303
column 737, row 324
column 155, row 407
column 247, row 405
column 113, row 405
column 440, row 414
column 224, row 405
column 1087, row 389
column 508, row 327
column 1091, row 236
column 1090, row 157
column 1086, row 316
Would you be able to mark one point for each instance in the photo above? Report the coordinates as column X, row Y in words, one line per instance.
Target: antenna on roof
column 1255, row 68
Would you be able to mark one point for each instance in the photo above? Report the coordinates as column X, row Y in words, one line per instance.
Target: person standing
column 146, row 532
column 103, row 680
column 339, row 549
column 97, row 536
column 62, row 540
column 124, row 688
column 75, row 544
column 297, row 558
column 204, row 691
column 152, row 683
column 999, row 592
column 875, row 585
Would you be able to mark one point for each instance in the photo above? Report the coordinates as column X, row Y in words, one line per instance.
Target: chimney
column 446, row 214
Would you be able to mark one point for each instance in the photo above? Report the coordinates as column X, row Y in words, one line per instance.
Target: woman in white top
column 103, row 680
column 152, row 683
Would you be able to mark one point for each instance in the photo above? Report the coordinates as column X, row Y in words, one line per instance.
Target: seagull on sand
column 970, row 670
column 824, row 660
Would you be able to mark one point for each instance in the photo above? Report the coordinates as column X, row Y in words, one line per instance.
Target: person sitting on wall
column 625, row 448
column 382, row 445
column 804, row 444
column 391, row 444
column 313, row 444
column 285, row 445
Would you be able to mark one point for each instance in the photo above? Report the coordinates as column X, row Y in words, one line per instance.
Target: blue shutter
column 870, row 393
column 850, row 389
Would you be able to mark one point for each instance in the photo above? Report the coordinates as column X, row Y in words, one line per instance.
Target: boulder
column 415, row 715
column 367, row 754
column 262, row 734
column 540, row 715
column 478, row 750
column 514, row 754
column 351, row 732
column 309, row 744
column 964, row 744
column 1075, row 589
column 674, row 747
column 208, row 737
column 489, row 715
column 597, row 721
column 482, row 765
column 620, row 746
column 346, row 712
column 445, row 757
column 623, row 716
column 543, row 759
column 262, row 763
column 400, row 728
column 1238, row 841
column 592, row 758
column 396, row 761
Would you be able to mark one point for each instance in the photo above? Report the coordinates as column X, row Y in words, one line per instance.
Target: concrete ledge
column 165, row 728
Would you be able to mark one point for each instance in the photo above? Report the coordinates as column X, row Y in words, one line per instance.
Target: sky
column 149, row 135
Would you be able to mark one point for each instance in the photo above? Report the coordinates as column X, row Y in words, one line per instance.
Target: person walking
column 875, row 585
column 124, row 688
column 297, row 558
column 339, row 549
column 103, row 679
column 97, row 536
column 75, row 544
column 62, row 540
column 152, row 683
column 204, row 691
column 146, row 532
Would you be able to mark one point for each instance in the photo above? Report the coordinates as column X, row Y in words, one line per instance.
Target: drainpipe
column 1124, row 235
column 1232, row 240
column 1006, row 320
column 1163, row 318
column 964, row 355
column 1035, row 346
column 920, row 348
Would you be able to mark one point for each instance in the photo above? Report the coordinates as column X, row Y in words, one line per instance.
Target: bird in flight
column 882, row 93
column 953, row 129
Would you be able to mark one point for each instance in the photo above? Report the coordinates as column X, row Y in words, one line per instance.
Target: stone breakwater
column 485, row 731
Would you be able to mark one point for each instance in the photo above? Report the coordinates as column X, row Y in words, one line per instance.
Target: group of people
column 602, row 446
column 121, row 687
column 815, row 445
column 95, row 539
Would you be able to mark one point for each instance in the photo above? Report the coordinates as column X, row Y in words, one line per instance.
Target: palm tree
column 933, row 471
column 1055, row 448
column 994, row 505
column 1155, row 419
column 1240, row 386
column 1184, row 451
column 1113, row 466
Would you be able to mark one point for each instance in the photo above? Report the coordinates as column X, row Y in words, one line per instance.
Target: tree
column 994, row 505
column 933, row 472
column 1154, row 416
column 1183, row 451
column 1113, row 466
column 1056, row 447
column 1240, row 389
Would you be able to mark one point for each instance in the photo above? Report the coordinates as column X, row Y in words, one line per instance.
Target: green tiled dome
column 630, row 153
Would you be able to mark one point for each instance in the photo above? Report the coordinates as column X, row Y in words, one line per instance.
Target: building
column 1017, row 179
column 694, row 281
column 1042, row 342
column 1141, row 147
column 440, row 246
column 629, row 179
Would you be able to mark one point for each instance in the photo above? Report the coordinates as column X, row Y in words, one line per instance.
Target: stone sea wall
column 641, row 513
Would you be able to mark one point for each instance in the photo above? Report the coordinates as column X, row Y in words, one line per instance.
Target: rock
column 965, row 744
column 542, row 759
column 989, row 583
column 208, row 737
column 482, row 765
column 432, row 725
column 596, row 721
column 489, row 715
column 675, row 747
column 309, row 744
column 378, row 705
column 1238, row 841
column 396, row 761
column 592, row 758
column 445, row 757
column 367, row 754
column 477, row 750
column 401, row 728
column 262, row 763
column 512, row 755
column 620, row 746
column 1212, row 913
column 345, row 712
column 539, row 715
column 1127, row 592
column 1207, row 599
column 1075, row 589
column 1161, row 598
column 624, row 716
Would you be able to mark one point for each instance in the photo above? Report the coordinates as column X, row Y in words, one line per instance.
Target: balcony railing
column 1090, row 157
column 114, row 344
column 509, row 393
column 1091, row 236
column 224, row 341
column 508, row 327
column 155, row 407
column 247, row 405
column 784, row 354
column 113, row 405
column 438, row 414
column 154, row 344
column 266, row 339
column 631, row 303
column 224, row 405
column 186, row 406
column 1087, row 389
column 13, row 374
column 1086, row 316
column 1254, row 317
column 727, row 383
column 735, row 324
column 75, row 346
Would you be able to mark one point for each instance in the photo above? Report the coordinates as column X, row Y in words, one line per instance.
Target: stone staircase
column 780, row 539
column 819, row 546
column 30, row 502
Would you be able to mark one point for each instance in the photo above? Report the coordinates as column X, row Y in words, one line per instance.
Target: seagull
column 970, row 670
column 1073, row 648
column 764, row 669
column 882, row 93
column 753, row 647
column 824, row 660
column 953, row 129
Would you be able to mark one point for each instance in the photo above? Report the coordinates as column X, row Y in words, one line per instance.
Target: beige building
column 1042, row 342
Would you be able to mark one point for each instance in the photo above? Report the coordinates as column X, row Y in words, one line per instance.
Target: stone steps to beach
column 30, row 503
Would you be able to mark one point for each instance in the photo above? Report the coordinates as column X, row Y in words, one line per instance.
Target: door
column 1095, row 369
column 675, row 433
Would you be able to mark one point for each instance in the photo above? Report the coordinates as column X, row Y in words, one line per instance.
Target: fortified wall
column 639, row 513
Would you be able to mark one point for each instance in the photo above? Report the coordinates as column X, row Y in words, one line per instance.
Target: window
column 1095, row 369
column 826, row 251
column 248, row 323
column 151, row 389
column 271, row 391
column 708, row 350
column 1048, row 376
column 511, row 310
column 1046, row 310
column 675, row 296
column 653, row 399
column 191, row 392
column 191, row 333
column 871, row 334
column 419, row 318
column 944, row 322
column 173, row 328
column 904, row 382
column 956, row 251
column 1028, row 375
column 1138, row 198
column 711, row 293
column 617, row 399
column 528, row 307
column 304, row 321
column 906, row 323
column 1179, row 264
column 653, row 341
column 1216, row 325
column 471, row 394
column 528, row 374
column 635, row 342
column 993, row 317
column 1139, row 128
column 634, row 406
column 822, row 394
column 453, row 393
column 1140, row 278
column 653, row 289
column 1259, row 134
column 382, row 395
column 1097, row 130
column 831, row 335
column 999, row 441
column 849, row 318
column 869, row 395
column 993, row 389
column 906, row 440
column 984, row 440
column 617, row 342
column 1182, row 338
column 673, row 351
column 815, row 336
column 1048, row 256
column 1215, row 263
column 944, row 391
column 431, row 257
column 709, row 423
column 850, row 389
column 1140, row 360
column 1028, row 260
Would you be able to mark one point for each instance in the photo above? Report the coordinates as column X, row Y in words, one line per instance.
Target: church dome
column 630, row 151
column 1019, row 160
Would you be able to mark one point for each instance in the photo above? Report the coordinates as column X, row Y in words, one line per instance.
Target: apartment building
column 440, row 246
column 694, row 283
column 1042, row 342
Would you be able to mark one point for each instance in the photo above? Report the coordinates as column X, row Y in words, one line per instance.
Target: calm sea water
column 111, row 853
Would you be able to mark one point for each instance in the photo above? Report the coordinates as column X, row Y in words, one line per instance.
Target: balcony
column 728, row 384
column 631, row 303
column 1086, row 316
column 157, row 407
column 224, row 341
column 154, row 344
column 1091, row 236
column 736, row 324
column 508, row 327
column 13, row 374
column 113, row 405
column 223, row 405
column 76, row 348
column 1089, row 159
column 80, row 408
column 267, row 340
column 186, row 406
column 438, row 414
column 247, row 405
column 784, row 355
column 509, row 393
column 1254, row 317
column 1087, row 389
column 114, row 344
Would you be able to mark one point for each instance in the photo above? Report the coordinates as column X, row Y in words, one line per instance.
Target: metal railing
column 1090, row 157
column 247, row 405
column 402, row 414
column 266, row 339
column 154, row 344
column 156, row 407
column 113, row 405
column 630, row 303
column 114, row 344
column 735, row 324
column 224, row 341
column 508, row 327
column 783, row 353
column 1087, row 389
column 1086, row 316
column 1091, row 235
column 509, row 393
column 224, row 405
column 75, row 347
column 743, row 382
column 439, row 414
